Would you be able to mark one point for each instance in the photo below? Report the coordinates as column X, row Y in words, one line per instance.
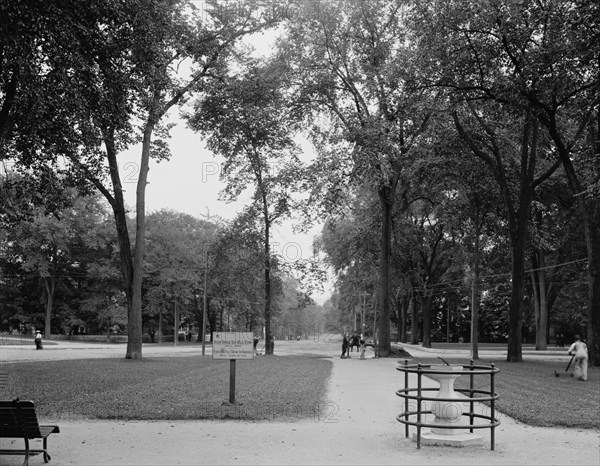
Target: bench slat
column 18, row 419
column 39, row 432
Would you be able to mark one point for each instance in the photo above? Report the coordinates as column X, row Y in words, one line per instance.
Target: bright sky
column 190, row 183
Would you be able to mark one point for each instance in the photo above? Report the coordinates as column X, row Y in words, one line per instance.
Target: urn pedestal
column 447, row 413
column 452, row 431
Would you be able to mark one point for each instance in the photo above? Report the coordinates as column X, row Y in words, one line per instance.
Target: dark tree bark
column 414, row 320
column 589, row 208
column 50, row 284
column 426, row 301
column 387, row 195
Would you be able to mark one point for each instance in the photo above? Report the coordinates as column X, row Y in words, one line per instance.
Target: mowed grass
column 25, row 341
column 531, row 393
column 267, row 388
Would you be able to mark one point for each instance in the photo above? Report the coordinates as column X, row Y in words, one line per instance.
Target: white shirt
column 580, row 349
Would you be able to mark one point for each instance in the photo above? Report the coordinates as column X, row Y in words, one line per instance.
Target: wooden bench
column 3, row 379
column 18, row 419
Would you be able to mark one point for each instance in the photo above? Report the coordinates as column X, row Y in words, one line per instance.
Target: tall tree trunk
column 134, row 320
column 541, row 341
column 117, row 204
column 398, row 320
column 517, row 216
column 267, row 263
column 475, row 299
column 386, row 196
column 450, row 300
column 404, row 319
column 515, row 312
column 426, row 302
column 518, row 234
column 212, row 322
column 175, row 323
column 399, row 305
column 414, row 320
column 50, row 285
column 592, row 228
column 108, row 331
column 589, row 207
column 160, row 328
column 200, row 317
column 221, row 311
column 593, row 315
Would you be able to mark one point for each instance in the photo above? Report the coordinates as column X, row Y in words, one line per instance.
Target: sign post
column 233, row 346
column 231, row 381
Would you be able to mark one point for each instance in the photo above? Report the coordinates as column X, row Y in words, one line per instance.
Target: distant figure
column 38, row 340
column 151, row 333
column 255, row 341
column 344, row 346
column 354, row 342
column 362, row 346
column 579, row 349
column 189, row 336
column 560, row 340
column 272, row 343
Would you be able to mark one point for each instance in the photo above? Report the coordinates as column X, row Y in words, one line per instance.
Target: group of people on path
column 578, row 349
column 348, row 344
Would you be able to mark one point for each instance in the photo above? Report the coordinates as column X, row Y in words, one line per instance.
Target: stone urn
column 447, row 413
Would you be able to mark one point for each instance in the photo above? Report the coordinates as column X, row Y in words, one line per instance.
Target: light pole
column 205, row 303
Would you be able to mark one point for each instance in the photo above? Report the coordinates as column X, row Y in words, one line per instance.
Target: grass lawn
column 531, row 393
column 267, row 388
column 24, row 341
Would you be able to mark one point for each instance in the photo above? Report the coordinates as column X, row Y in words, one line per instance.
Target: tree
column 539, row 59
column 119, row 73
column 247, row 120
column 237, row 254
column 353, row 68
column 175, row 261
column 470, row 213
column 61, row 250
column 349, row 241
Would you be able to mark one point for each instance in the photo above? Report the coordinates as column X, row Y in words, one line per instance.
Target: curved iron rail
column 471, row 395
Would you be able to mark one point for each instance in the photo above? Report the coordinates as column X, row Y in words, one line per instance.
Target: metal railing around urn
column 471, row 396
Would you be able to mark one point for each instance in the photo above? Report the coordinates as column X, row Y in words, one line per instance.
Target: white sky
column 189, row 182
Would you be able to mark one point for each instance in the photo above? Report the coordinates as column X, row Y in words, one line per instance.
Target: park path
column 358, row 426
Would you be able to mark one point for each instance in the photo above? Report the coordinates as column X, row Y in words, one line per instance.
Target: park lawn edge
column 166, row 388
column 531, row 393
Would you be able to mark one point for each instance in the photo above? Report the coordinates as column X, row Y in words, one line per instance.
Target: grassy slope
column 270, row 388
column 172, row 388
column 531, row 393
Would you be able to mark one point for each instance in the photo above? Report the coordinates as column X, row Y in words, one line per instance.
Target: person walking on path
column 255, row 342
column 579, row 349
column 354, row 342
column 362, row 346
column 344, row 346
column 38, row 340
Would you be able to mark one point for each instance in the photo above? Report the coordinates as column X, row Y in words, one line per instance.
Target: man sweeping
column 579, row 349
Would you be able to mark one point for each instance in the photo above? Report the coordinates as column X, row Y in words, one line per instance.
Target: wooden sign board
column 233, row 345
